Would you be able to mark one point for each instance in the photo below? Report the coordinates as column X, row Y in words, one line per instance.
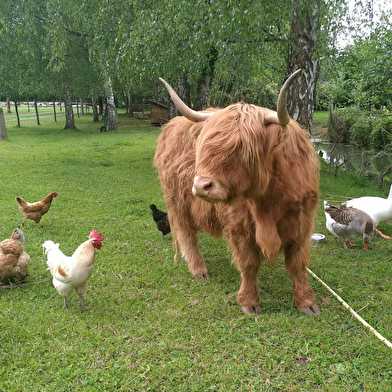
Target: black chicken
column 161, row 219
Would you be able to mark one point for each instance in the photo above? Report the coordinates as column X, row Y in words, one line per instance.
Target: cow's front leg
column 297, row 260
column 247, row 259
column 248, row 295
column 186, row 238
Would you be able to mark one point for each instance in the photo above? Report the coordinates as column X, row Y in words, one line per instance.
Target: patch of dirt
column 303, row 362
column 320, row 131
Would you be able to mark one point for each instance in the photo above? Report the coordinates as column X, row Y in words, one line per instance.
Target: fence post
column 3, row 129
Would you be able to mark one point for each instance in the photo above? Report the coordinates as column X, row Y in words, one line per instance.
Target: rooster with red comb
column 72, row 272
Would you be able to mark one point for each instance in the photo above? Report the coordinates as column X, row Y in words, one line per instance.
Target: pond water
column 352, row 158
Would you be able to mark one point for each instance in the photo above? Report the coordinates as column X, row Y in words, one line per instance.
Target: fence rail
column 27, row 115
column 46, row 113
column 31, row 117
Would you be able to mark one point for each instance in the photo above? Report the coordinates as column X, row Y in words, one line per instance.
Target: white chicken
column 72, row 272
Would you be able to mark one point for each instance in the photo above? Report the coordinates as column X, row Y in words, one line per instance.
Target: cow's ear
column 266, row 234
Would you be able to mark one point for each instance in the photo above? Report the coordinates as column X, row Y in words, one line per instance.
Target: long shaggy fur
column 268, row 177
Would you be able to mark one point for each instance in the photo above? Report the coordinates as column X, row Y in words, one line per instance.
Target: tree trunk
column 8, row 105
column 100, row 105
column 3, row 129
column 304, row 36
column 104, row 109
column 95, row 110
column 382, row 175
column 203, row 91
column 204, row 84
column 183, row 90
column 36, row 111
column 77, row 108
column 130, row 102
column 69, row 114
column 17, row 113
column 54, row 111
column 111, row 109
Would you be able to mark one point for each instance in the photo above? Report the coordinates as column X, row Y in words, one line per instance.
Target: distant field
column 321, row 116
column 27, row 115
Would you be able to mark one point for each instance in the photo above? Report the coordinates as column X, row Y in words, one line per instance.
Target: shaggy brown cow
column 250, row 174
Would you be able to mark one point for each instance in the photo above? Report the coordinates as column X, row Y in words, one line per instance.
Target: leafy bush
column 369, row 129
column 255, row 91
column 382, row 132
column 338, row 128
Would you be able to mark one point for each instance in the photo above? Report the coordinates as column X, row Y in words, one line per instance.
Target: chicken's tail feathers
column 20, row 201
column 53, row 254
column 51, row 250
column 49, row 245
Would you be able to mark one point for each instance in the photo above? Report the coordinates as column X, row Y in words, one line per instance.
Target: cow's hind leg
column 297, row 260
column 186, row 238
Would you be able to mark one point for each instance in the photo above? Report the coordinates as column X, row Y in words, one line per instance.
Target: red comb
column 55, row 194
column 96, row 234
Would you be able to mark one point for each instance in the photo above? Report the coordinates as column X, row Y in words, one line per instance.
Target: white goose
column 379, row 209
column 348, row 223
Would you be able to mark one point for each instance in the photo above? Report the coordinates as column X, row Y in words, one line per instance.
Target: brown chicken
column 35, row 211
column 13, row 259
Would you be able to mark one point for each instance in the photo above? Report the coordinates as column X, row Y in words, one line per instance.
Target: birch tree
column 3, row 129
column 304, row 37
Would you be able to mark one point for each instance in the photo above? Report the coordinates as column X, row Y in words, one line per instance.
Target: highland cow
column 247, row 173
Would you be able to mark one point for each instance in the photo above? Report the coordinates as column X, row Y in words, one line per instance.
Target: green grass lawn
column 320, row 122
column 148, row 325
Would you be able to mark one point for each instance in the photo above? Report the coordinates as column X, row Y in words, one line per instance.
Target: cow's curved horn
column 282, row 115
column 186, row 111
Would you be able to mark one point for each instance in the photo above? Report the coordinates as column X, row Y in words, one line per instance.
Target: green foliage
column 381, row 135
column 359, row 124
column 361, row 73
column 256, row 91
column 84, row 43
column 369, row 129
column 148, row 325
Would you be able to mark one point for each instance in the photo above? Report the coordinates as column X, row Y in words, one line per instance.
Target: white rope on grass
column 352, row 311
column 23, row 283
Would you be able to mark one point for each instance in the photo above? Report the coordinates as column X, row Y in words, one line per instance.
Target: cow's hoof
column 205, row 276
column 311, row 310
column 252, row 310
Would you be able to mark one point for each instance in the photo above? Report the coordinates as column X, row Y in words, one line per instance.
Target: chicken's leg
column 81, row 301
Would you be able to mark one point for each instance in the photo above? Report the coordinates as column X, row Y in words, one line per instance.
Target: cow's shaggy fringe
column 352, row 311
column 267, row 189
